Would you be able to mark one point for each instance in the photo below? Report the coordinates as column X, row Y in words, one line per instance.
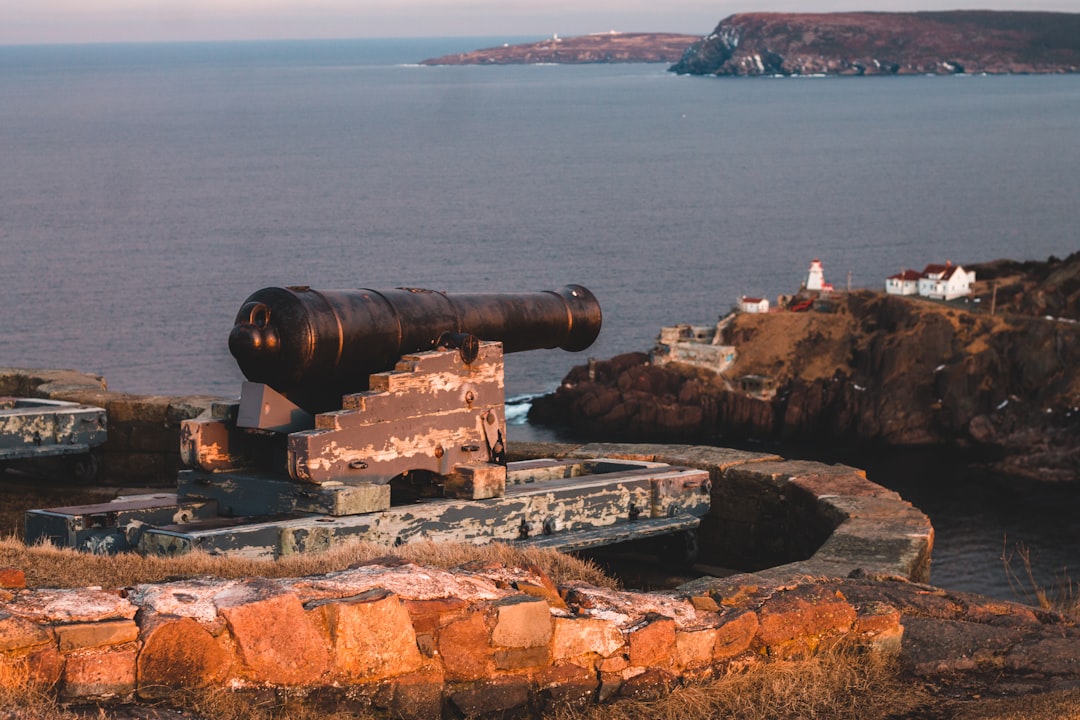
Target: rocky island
column 871, row 43
column 997, row 372
column 609, row 47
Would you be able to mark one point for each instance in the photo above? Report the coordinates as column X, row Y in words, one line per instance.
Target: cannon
column 354, row 387
column 379, row 415
column 315, row 346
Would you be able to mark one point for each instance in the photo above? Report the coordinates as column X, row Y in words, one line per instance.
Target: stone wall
column 419, row 642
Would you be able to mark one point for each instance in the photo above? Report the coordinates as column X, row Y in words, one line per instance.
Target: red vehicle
column 801, row 306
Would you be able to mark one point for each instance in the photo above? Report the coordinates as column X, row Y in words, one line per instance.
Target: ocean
column 147, row 190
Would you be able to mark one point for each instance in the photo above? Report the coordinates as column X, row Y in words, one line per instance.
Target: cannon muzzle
column 315, row 345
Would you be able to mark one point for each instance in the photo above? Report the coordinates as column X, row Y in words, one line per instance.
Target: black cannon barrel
column 310, row 344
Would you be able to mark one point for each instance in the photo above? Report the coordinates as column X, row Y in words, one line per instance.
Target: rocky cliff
column 613, row 47
column 868, row 43
column 868, row 368
column 1040, row 289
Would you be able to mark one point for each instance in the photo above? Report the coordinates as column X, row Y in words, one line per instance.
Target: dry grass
column 841, row 684
column 1062, row 597
column 47, row 566
column 23, row 698
column 223, row 704
column 1060, row 705
column 770, row 344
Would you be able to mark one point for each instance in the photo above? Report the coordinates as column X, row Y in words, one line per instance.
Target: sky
column 76, row 21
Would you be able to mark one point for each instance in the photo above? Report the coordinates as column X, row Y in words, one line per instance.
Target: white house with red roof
column 905, row 282
column 940, row 282
column 945, row 282
column 753, row 305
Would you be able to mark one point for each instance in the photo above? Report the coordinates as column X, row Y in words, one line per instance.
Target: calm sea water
column 146, row 190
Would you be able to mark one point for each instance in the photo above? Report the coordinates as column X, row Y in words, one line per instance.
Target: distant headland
column 609, row 47
column 868, row 43
column 853, row 43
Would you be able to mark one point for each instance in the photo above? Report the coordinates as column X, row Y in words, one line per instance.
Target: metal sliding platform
column 565, row 504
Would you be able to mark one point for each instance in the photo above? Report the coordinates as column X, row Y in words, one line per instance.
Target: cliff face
column 877, row 368
column 1040, row 289
column 867, row 43
column 613, row 47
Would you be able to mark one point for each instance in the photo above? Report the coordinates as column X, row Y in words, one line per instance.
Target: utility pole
column 993, row 298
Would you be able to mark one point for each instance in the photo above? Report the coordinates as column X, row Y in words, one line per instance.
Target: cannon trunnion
column 379, row 415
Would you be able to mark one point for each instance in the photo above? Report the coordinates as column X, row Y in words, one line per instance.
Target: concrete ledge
column 143, row 445
column 789, row 517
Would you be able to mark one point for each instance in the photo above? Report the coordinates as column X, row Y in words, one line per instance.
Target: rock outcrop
column 867, row 43
column 872, row 368
column 612, row 47
column 1039, row 289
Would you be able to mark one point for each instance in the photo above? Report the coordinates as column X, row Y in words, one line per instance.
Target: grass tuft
column 49, row 566
column 24, row 697
column 1063, row 596
column 1057, row 704
column 841, row 684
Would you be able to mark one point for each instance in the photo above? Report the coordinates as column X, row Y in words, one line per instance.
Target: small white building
column 753, row 305
column 905, row 282
column 945, row 282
